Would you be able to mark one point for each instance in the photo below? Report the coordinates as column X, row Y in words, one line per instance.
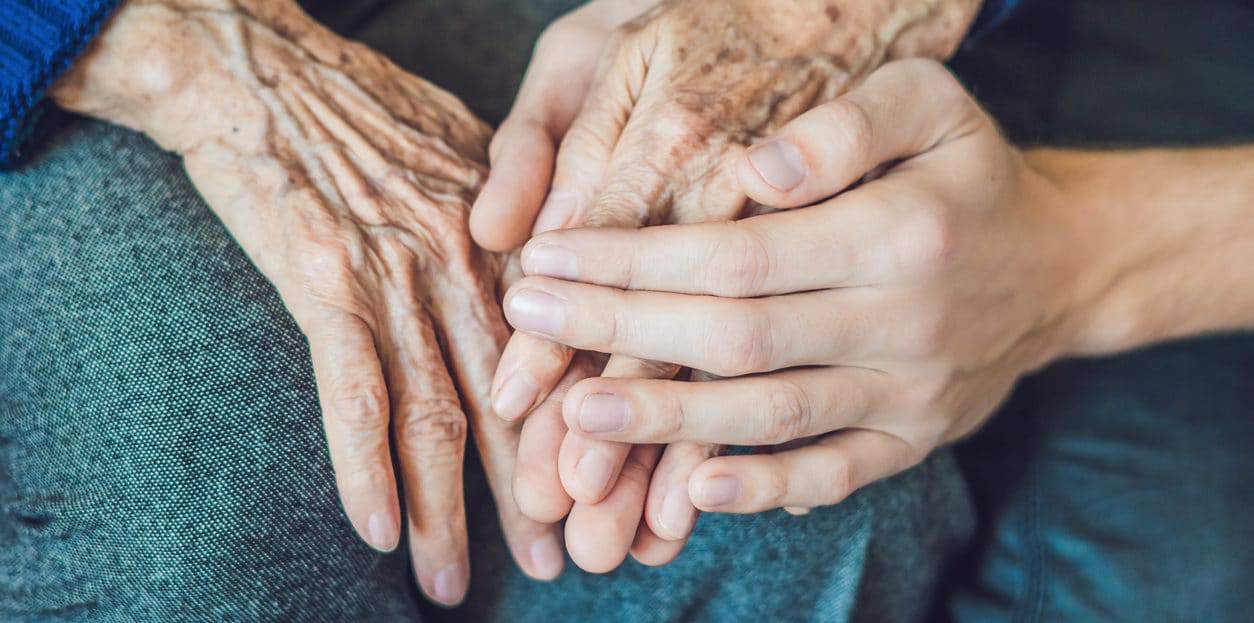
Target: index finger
column 852, row 240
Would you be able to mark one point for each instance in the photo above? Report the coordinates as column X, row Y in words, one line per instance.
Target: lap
column 876, row 557
column 1119, row 489
column 163, row 452
column 163, row 448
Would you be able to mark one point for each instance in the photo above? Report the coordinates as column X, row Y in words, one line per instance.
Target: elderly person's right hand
column 348, row 182
column 653, row 103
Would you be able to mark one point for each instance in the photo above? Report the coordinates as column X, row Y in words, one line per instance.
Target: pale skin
column 349, row 183
column 868, row 324
column 634, row 113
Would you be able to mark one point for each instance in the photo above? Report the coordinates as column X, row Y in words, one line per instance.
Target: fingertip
column 596, row 551
column 771, row 173
column 383, row 531
column 574, row 399
column 515, row 397
column 529, row 370
column 503, row 214
column 715, row 487
column 557, row 212
column 448, row 586
column 547, row 559
column 586, row 470
column 651, row 550
column 674, row 518
column 537, row 501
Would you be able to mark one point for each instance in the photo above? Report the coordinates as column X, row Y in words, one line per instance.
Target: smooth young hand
column 880, row 322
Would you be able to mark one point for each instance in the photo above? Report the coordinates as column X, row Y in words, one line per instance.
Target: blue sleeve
column 39, row 39
column 992, row 14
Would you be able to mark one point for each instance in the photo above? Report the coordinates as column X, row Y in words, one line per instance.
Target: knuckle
column 330, row 260
column 745, row 343
column 360, row 406
column 433, row 427
column 364, row 473
column 854, row 126
column 928, row 394
column 926, row 243
column 778, row 487
column 671, row 420
column 741, row 263
column 788, row 414
column 926, row 335
column 840, row 479
column 558, row 37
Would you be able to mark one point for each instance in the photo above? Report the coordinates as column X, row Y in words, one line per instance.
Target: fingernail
column 515, row 397
column 602, row 413
column 382, row 530
column 779, row 164
column 593, row 471
column 677, row 514
column 450, row 584
column 550, row 260
column 536, row 311
column 718, row 491
column 555, row 212
column 546, row 557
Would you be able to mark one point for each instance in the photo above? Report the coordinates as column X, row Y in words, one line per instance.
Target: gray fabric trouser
column 163, row 456
column 162, row 453
column 160, row 456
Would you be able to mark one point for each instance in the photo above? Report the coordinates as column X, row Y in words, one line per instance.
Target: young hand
column 879, row 322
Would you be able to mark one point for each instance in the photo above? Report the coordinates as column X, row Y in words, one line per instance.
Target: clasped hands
column 885, row 310
column 879, row 304
column 856, row 325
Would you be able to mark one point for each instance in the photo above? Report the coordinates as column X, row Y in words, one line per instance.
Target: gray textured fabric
column 161, row 454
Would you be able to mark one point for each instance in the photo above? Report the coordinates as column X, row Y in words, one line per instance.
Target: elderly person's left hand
column 882, row 321
column 348, row 182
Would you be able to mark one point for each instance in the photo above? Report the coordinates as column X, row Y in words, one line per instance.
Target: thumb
column 524, row 148
column 904, row 109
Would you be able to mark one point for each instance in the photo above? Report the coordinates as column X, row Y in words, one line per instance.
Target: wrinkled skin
column 348, row 182
column 650, row 136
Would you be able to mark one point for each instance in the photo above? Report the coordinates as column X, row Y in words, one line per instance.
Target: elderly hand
column 348, row 182
column 652, row 111
column 878, row 323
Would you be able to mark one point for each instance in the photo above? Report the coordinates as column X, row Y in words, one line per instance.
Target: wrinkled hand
column 649, row 134
column 348, row 182
column 878, row 323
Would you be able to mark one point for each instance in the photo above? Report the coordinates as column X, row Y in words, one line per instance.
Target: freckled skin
column 681, row 91
column 348, row 182
column 719, row 74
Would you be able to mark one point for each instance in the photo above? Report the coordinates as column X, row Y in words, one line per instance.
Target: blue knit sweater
column 39, row 39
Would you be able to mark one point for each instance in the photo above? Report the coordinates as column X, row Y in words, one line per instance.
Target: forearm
column 313, row 124
column 187, row 71
column 1170, row 234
